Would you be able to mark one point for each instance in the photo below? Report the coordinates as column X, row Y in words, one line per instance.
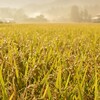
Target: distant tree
column 75, row 14
column 85, row 16
column 78, row 15
column 20, row 15
column 41, row 18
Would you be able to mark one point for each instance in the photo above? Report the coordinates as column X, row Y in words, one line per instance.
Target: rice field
column 50, row 62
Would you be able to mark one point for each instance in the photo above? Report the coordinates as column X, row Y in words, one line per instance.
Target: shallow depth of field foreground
column 50, row 62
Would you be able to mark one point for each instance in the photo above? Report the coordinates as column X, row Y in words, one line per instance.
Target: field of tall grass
column 50, row 62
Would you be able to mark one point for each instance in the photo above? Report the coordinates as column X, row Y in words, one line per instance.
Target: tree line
column 79, row 15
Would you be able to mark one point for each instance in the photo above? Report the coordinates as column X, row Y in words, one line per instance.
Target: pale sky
column 51, row 9
column 20, row 3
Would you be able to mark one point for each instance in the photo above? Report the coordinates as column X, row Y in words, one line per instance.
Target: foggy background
column 49, row 10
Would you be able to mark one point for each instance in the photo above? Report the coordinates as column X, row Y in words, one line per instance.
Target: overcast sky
column 52, row 9
column 20, row 3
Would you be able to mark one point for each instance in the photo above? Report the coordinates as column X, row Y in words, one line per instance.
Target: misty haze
column 50, row 10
